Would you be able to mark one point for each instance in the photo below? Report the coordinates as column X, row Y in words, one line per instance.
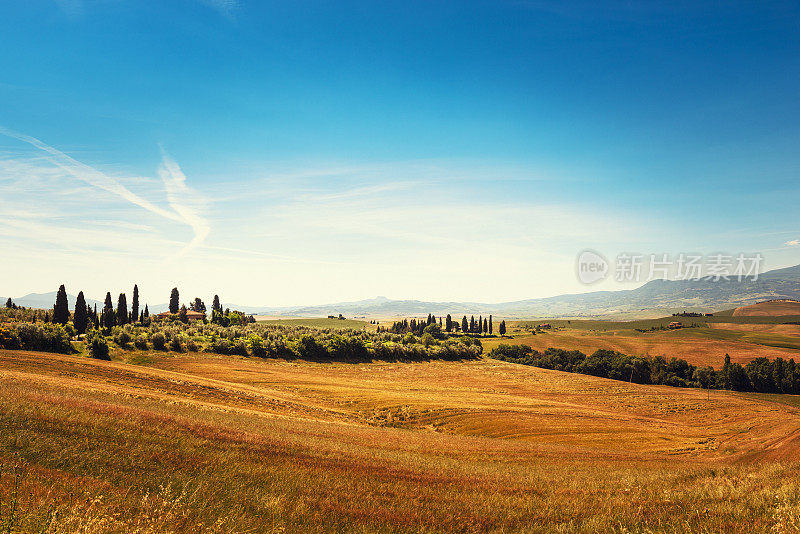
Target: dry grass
column 769, row 308
column 698, row 346
column 195, row 443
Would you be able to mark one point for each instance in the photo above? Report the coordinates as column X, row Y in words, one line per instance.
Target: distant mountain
column 46, row 300
column 655, row 298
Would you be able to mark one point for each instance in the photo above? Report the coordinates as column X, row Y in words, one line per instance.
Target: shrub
column 193, row 346
column 9, row 339
column 239, row 348
column 98, row 347
column 257, row 347
column 123, row 339
column 43, row 337
column 140, row 342
column 221, row 346
column 159, row 341
column 176, row 344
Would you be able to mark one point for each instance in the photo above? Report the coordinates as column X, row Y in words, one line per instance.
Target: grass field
column 772, row 308
column 190, row 443
column 318, row 322
column 702, row 341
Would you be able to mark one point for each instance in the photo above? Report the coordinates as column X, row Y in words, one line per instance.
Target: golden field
column 190, row 443
column 705, row 345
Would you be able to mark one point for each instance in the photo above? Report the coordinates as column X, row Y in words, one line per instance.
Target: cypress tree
column 490, row 324
column 174, row 297
column 146, row 312
column 109, row 318
column 122, row 309
column 502, row 328
column 135, row 304
column 182, row 314
column 79, row 318
column 216, row 306
column 485, row 326
column 464, row 326
column 480, row 324
column 9, row 303
column 448, row 323
column 61, row 308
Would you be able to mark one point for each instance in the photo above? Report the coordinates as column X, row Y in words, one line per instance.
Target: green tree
column 108, row 318
column 448, row 323
column 80, row 318
column 146, row 312
column 135, row 304
column 182, row 314
column 724, row 375
column 464, row 325
column 174, row 298
column 216, row 306
column 122, row 309
column 502, row 328
column 198, row 305
column 490, row 324
column 9, row 303
column 61, row 308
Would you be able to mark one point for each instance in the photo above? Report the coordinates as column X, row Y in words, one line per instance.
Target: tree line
column 85, row 317
column 760, row 374
column 481, row 326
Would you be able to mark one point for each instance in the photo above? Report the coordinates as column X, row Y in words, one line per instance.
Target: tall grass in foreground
column 97, row 462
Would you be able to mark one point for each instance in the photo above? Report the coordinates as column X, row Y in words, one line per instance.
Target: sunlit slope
column 548, row 409
column 197, row 443
column 771, row 308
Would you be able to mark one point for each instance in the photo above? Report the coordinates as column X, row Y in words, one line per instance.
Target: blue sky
column 303, row 152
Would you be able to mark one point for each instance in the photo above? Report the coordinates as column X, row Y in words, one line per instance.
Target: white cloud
column 32, row 178
column 185, row 201
column 793, row 243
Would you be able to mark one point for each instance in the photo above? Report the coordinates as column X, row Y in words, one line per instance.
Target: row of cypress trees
column 480, row 326
column 84, row 315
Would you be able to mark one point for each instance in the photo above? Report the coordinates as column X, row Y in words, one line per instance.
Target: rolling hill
column 770, row 308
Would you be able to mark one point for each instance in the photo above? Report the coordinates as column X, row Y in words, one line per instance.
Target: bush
column 257, row 347
column 176, row 344
column 123, row 339
column 220, row 346
column 239, row 348
column 159, row 341
column 42, row 337
column 9, row 339
column 98, row 347
column 193, row 346
column 140, row 342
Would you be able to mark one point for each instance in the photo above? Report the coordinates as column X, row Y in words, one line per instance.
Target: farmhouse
column 675, row 324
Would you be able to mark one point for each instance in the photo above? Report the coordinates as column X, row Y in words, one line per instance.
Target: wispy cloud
column 793, row 243
column 185, row 203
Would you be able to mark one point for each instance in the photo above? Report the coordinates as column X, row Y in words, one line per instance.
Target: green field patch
column 319, row 322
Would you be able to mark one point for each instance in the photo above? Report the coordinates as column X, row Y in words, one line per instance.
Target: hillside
column 190, row 443
column 770, row 308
